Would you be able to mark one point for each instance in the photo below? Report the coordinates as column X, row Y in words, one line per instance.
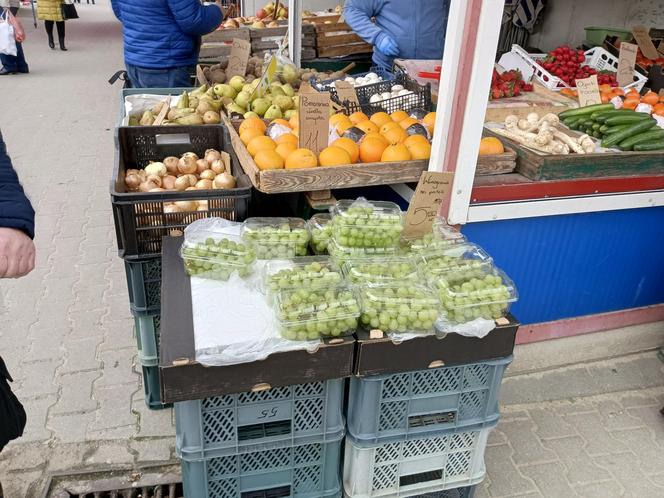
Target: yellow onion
column 218, row 166
column 204, row 184
column 168, row 182
column 157, row 169
column 147, row 186
column 201, row 165
column 191, row 178
column 171, row 163
column 154, row 179
column 186, row 205
column 187, row 163
column 224, row 181
column 171, row 208
column 132, row 182
column 212, row 155
column 208, row 174
column 181, row 183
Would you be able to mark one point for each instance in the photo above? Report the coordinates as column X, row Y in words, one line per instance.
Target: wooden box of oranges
column 380, row 150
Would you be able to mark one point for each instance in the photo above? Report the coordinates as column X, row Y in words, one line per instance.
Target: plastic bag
column 7, row 37
column 136, row 105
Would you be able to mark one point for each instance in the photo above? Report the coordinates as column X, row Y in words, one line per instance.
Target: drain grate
column 158, row 491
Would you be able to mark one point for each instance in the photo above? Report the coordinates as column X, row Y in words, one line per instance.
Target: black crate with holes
column 144, row 285
column 143, row 218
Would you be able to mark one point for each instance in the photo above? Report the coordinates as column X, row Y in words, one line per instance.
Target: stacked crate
column 421, row 432
column 284, row 441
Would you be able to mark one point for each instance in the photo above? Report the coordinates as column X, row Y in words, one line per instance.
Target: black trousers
column 60, row 26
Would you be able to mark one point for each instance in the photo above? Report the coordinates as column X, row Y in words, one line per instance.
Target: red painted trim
column 565, row 188
column 588, row 324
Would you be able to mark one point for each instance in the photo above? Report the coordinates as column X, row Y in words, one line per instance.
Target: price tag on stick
column 645, row 42
column 346, row 91
column 588, row 90
column 626, row 62
column 237, row 60
column 425, row 203
column 314, row 116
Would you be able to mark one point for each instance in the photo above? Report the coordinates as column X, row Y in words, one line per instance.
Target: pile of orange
column 385, row 139
column 490, row 146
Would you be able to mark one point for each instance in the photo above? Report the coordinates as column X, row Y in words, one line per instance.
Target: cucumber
column 627, row 119
column 613, row 129
column 646, row 136
column 569, row 122
column 646, row 146
column 583, row 111
column 596, row 126
column 596, row 134
column 636, row 128
column 602, row 116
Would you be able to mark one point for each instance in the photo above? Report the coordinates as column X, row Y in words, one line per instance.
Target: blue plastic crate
column 144, row 285
column 152, row 389
column 238, row 423
column 405, row 405
column 302, row 471
column 147, row 338
column 414, row 467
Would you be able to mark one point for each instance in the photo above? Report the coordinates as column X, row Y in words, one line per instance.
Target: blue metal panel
column 579, row 264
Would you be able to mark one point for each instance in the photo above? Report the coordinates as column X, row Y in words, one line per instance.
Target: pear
column 248, row 88
column 235, row 109
column 273, row 112
column 147, row 119
column 237, row 82
column 283, row 102
column 211, row 117
column 225, row 90
column 204, row 106
column 260, row 106
column 296, row 101
column 183, row 102
column 250, row 114
column 226, row 101
column 289, row 74
column 258, row 25
column 176, row 113
column 289, row 114
column 190, row 119
column 198, row 91
column 276, row 90
column 193, row 102
column 133, row 120
column 243, row 98
column 288, row 89
column 216, row 105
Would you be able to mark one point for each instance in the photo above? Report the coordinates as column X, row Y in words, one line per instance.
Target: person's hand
column 17, row 253
column 386, row 45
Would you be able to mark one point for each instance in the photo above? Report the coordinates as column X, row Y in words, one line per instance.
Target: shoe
column 51, row 44
column 22, row 71
column 4, row 72
column 62, row 45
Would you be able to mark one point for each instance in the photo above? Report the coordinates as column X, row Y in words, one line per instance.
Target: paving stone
column 616, row 417
column 152, row 423
column 109, row 453
column 641, row 488
column 527, row 447
column 69, row 457
column 651, row 417
column 642, row 442
column 76, row 393
column 598, row 440
column 25, row 457
column 604, row 489
column 496, row 437
column 115, row 407
column 117, row 367
column 153, row 450
column 81, row 354
column 623, row 466
column 549, row 479
column 549, row 386
column 37, row 414
column 506, row 479
column 550, row 424
column 580, row 467
column 48, row 347
column 71, row 428
column 23, row 484
column 38, row 381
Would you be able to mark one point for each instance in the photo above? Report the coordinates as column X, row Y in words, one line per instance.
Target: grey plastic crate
column 467, row 492
column 399, row 406
column 144, row 285
column 238, row 423
column 302, row 471
column 147, row 338
column 152, row 389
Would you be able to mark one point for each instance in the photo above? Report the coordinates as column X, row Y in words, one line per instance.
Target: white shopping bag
column 7, row 40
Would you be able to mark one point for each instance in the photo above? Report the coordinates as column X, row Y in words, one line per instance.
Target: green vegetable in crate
column 217, row 259
column 303, row 275
column 362, row 223
column 651, row 135
column 381, row 270
column 650, row 146
column 321, row 232
column 486, row 295
column 307, row 314
column 587, row 110
column 635, row 128
column 398, row 308
column 275, row 238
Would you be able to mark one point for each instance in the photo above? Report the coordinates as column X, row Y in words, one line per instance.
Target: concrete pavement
column 66, row 333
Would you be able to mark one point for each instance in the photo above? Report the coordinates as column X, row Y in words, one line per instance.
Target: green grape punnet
column 340, row 254
column 276, row 238
column 398, row 308
column 367, row 224
column 217, row 258
column 320, row 229
column 381, row 270
column 302, row 273
column 460, row 262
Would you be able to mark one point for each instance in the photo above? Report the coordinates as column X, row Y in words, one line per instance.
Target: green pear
column 247, row 87
column 260, row 106
column 296, row 101
column 283, row 102
column 289, row 114
column 190, row 119
column 288, row 89
column 276, row 90
column 237, row 82
column 250, row 114
column 235, row 109
column 273, row 112
column 243, row 98
column 183, row 102
column 199, row 91
column 225, row 90
column 289, row 74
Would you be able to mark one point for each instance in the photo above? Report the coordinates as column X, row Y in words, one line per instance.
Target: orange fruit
column 395, row 135
column 343, row 126
column 388, row 126
column 294, row 121
column 650, row 98
column 415, row 139
column 260, row 143
column 252, row 123
column 405, row 123
column 333, row 156
column 367, row 126
column 398, row 152
column 268, row 159
column 285, row 149
column 337, row 118
column 380, row 118
column 419, row 150
column 286, row 138
column 250, row 133
column 301, row 158
column 658, row 109
column 398, row 116
column 491, row 145
column 630, row 103
column 349, row 146
column 429, row 119
column 281, row 122
column 376, row 135
column 371, row 150
column 358, row 117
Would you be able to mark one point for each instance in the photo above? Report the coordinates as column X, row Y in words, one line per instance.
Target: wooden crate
column 226, row 35
column 541, row 100
column 214, row 51
column 266, row 39
column 540, row 166
column 322, row 178
column 496, row 164
column 338, row 39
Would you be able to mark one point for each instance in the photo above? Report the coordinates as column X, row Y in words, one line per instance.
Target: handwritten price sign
column 432, row 188
column 314, row 118
column 237, row 60
column 588, row 91
column 626, row 62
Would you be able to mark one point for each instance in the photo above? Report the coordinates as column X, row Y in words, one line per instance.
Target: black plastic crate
column 140, row 220
column 144, row 285
column 419, row 99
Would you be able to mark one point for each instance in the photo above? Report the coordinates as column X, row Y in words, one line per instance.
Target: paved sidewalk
column 585, row 431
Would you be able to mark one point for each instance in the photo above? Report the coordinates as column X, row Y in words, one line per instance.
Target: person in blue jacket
column 162, row 39
column 406, row 29
column 17, row 222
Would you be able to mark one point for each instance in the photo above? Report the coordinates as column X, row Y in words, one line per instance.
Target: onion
column 224, row 181
column 212, row 155
column 168, row 182
column 204, row 184
column 202, row 206
column 132, row 181
column 208, row 174
column 186, row 205
column 147, row 186
column 201, row 165
column 218, row 166
column 142, row 174
column 131, row 172
column 187, row 163
column 157, row 169
column 191, row 178
column 158, row 189
column 181, row 183
column 154, row 179
column 171, row 208
column 171, row 163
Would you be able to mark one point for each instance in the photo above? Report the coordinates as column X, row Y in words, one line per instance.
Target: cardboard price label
column 626, row 62
column 314, row 115
column 588, row 90
column 237, row 60
column 645, row 42
column 432, row 188
column 346, row 91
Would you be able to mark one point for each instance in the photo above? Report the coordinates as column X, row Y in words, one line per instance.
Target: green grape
column 305, row 275
column 217, row 259
column 407, row 307
column 380, row 270
column 378, row 224
column 276, row 238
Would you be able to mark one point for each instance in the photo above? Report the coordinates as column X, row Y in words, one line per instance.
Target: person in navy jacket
column 162, row 39
column 17, row 222
column 407, row 29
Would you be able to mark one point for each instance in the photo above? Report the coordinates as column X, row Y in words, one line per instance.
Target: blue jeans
column 145, row 77
column 11, row 63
